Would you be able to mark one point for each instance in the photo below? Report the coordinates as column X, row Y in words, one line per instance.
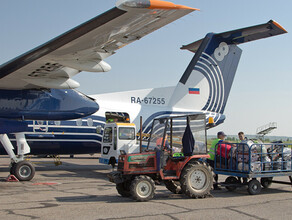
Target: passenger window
column 89, row 122
column 79, row 122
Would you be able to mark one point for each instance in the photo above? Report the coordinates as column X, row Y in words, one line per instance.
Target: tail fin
column 206, row 83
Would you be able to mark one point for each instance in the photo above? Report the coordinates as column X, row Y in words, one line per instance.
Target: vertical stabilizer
column 206, row 83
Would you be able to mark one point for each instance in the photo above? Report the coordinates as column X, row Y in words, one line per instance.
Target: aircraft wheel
column 173, row 186
column 142, row 188
column 196, row 180
column 254, row 187
column 124, row 189
column 23, row 170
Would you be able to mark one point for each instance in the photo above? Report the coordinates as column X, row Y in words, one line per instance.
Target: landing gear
column 23, row 170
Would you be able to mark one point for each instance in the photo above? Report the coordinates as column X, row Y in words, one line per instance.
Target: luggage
column 223, row 150
column 254, row 167
column 246, row 151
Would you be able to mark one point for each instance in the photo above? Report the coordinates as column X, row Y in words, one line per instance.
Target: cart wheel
column 196, row 180
column 173, row 186
column 142, row 188
column 266, row 181
column 231, row 180
column 124, row 189
column 254, row 187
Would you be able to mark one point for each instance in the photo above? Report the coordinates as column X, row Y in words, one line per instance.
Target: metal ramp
column 266, row 129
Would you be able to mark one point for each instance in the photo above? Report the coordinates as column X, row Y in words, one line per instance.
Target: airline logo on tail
column 221, row 51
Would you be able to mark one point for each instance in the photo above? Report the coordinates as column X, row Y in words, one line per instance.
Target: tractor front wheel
column 196, row 180
column 142, row 188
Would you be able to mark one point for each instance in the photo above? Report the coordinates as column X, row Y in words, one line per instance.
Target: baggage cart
column 253, row 165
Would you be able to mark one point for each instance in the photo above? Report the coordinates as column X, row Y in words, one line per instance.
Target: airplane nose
column 92, row 105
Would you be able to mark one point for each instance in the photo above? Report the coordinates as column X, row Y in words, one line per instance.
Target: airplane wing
column 84, row 48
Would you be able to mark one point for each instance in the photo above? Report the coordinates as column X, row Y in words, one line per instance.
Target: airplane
column 203, row 88
column 37, row 86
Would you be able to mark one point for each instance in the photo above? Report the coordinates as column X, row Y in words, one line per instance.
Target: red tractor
column 174, row 156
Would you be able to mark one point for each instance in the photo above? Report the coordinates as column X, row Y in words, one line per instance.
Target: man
column 220, row 140
column 241, row 136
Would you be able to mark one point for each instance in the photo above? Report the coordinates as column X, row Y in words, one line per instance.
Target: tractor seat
column 175, row 159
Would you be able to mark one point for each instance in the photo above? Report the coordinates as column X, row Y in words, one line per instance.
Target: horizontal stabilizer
column 243, row 35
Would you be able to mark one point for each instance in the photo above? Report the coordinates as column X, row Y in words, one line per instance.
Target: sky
column 262, row 88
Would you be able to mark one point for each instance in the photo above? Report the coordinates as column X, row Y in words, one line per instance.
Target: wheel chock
column 11, row 178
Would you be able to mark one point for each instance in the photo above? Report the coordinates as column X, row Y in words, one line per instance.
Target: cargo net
column 250, row 157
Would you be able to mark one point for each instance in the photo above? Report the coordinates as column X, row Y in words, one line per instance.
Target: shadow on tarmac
column 162, row 195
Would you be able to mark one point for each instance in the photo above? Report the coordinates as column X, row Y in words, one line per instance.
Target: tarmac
column 79, row 189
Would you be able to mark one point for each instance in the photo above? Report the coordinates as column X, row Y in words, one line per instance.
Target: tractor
column 175, row 155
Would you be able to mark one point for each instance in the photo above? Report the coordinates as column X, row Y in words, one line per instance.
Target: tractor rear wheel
column 173, row 186
column 124, row 189
column 142, row 188
column 196, row 180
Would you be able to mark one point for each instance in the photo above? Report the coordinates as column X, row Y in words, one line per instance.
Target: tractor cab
column 179, row 136
column 174, row 156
